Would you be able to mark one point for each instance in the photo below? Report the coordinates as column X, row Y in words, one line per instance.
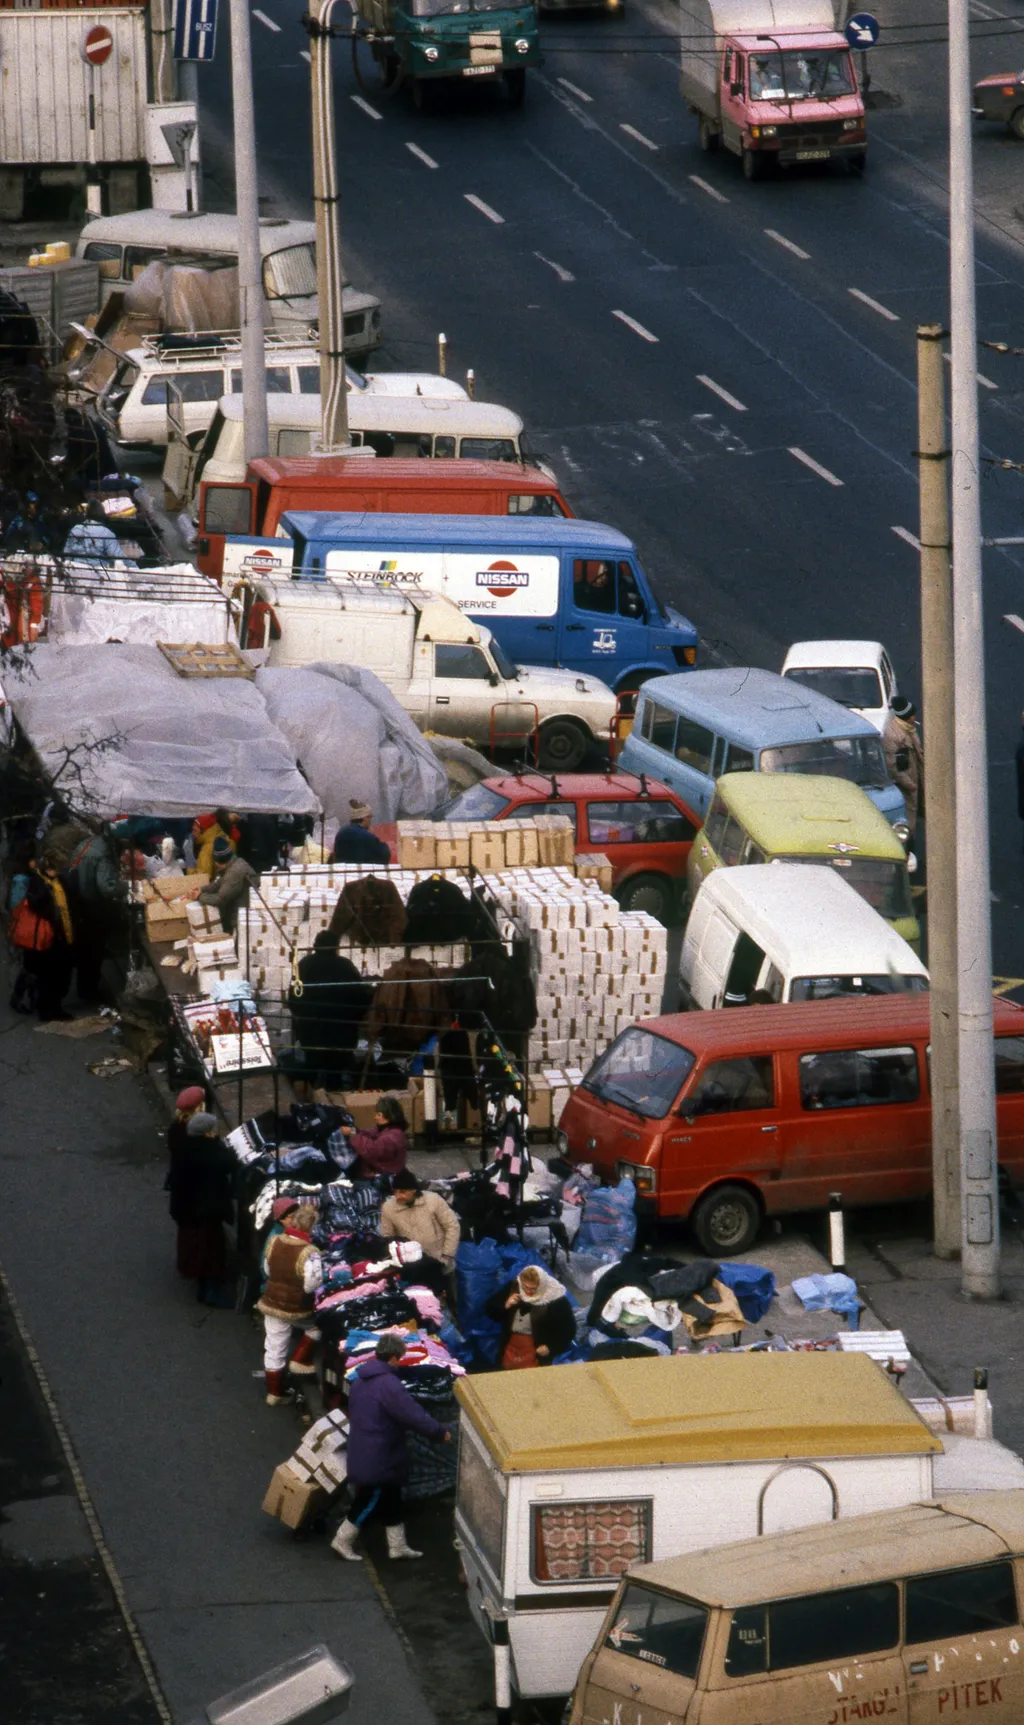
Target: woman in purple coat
column 380, row 1411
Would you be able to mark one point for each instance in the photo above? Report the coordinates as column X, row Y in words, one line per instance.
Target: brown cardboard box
column 293, row 1497
column 362, row 1104
column 166, row 922
column 176, row 886
column 417, row 844
column 538, row 1105
column 594, row 865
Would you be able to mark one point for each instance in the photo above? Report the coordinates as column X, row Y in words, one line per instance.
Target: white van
column 448, row 672
column 786, row 932
column 124, row 245
column 858, row 674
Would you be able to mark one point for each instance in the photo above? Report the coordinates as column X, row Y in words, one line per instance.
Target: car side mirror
column 494, row 679
column 688, row 1113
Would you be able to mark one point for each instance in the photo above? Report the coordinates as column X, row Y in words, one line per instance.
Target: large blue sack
column 754, row 1288
column 480, row 1270
column 835, row 1293
column 609, row 1219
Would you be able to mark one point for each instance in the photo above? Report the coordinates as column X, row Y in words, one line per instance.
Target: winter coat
column 380, row 1411
column 356, row 844
column 369, row 912
column 327, row 1014
column 40, row 898
column 230, row 890
column 205, row 843
column 428, row 1219
column 553, row 1324
column 93, row 873
column 901, row 742
column 200, row 1182
column 381, row 1150
column 409, row 1006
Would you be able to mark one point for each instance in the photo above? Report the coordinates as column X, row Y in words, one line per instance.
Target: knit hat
column 193, row 1097
column 201, row 1124
column 223, row 850
column 283, row 1207
column 903, row 707
column 360, row 811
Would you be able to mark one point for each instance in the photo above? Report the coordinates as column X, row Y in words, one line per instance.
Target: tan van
column 908, row 1615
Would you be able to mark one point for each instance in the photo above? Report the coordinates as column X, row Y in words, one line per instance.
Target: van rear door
column 858, row 1121
column 603, row 618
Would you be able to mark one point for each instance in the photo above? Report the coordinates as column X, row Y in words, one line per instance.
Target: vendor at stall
column 354, row 842
column 382, row 1148
column 328, row 1005
column 536, row 1317
column 412, row 1214
column 187, row 1103
column 294, row 1272
column 229, row 888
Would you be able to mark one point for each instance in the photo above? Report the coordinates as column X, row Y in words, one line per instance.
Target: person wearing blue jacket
column 380, row 1412
column 354, row 842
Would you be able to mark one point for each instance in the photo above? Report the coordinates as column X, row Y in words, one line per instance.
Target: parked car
column 1001, row 97
column 857, row 674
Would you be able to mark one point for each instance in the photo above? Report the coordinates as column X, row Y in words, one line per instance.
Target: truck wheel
column 422, row 95
column 727, row 1221
column 1016, row 123
column 752, row 165
column 707, row 137
column 515, row 84
column 858, row 163
column 563, row 744
column 650, row 892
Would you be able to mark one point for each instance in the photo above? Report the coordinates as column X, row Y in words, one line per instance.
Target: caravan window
column 589, row 1541
column 481, row 1501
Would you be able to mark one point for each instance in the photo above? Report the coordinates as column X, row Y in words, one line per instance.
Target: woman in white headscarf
column 537, row 1319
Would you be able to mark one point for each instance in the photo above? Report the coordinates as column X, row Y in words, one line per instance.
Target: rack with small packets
column 227, row 1037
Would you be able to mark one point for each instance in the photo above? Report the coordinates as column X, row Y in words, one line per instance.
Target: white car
column 859, row 674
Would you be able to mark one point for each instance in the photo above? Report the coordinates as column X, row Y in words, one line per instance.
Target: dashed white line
column 815, row 466
column 712, row 191
column 781, row 240
column 574, row 90
column 360, row 102
column 986, row 382
column 561, row 272
column 306, row 55
column 268, row 23
column 882, row 310
column 905, row 534
column 1014, row 621
column 421, row 155
column 709, row 383
column 632, row 324
column 485, row 209
column 631, row 132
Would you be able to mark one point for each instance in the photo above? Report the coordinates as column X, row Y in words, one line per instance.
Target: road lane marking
column 360, row 102
column 306, row 55
column 1014, row 621
column 909, row 538
column 1003, row 984
column 485, row 209
column 631, row 132
column 267, row 22
column 421, row 155
column 986, row 382
column 632, row 324
column 815, row 466
column 882, row 310
column 781, row 240
column 709, row 383
column 563, row 274
column 574, row 90
column 712, row 191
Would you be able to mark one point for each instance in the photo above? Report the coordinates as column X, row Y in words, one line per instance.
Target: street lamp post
column 250, row 264
column 330, row 279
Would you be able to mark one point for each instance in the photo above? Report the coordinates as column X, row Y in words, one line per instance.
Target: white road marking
column 781, row 240
column 910, row 538
column 990, row 14
column 709, row 383
column 712, row 191
column 631, row 132
column 574, row 90
column 882, row 310
column 1014, row 621
column 563, row 274
column 306, row 55
column 986, row 382
column 632, row 324
column 367, row 109
column 421, row 155
column 485, row 209
column 815, row 466
column 268, row 22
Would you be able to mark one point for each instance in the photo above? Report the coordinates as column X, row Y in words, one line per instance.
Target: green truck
column 423, row 41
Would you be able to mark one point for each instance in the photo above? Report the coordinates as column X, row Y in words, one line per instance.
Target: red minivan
column 275, row 484
column 727, row 1117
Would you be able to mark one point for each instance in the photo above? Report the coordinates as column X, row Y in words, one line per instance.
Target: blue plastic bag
column 754, row 1288
column 835, row 1293
column 609, row 1220
column 480, row 1270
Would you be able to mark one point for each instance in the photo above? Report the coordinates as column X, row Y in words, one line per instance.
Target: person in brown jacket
column 412, row 1214
column 294, row 1272
column 904, row 757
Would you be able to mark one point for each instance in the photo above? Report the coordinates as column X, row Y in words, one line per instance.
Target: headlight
column 522, row 45
column 561, row 1143
column 769, row 131
column 431, row 54
column 643, row 1178
column 902, row 831
column 851, row 125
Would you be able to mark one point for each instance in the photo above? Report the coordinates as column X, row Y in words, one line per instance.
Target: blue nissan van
column 554, row 592
column 689, row 730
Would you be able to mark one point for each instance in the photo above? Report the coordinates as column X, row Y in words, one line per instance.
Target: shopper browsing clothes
column 294, row 1273
column 536, row 1318
column 384, row 1147
column 187, row 1103
column 199, row 1183
column 380, row 1412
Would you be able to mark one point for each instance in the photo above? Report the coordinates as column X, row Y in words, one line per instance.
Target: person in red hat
column 294, row 1273
column 187, row 1102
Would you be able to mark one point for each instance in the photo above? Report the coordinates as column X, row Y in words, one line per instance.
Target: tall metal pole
column 250, row 268
column 939, row 751
column 979, row 1179
column 330, row 278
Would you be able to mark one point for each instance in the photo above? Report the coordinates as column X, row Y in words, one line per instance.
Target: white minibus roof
column 810, row 920
column 182, row 230
column 415, row 413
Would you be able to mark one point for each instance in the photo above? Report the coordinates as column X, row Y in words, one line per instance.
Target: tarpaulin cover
column 354, row 740
column 185, row 296
column 175, row 744
column 90, row 605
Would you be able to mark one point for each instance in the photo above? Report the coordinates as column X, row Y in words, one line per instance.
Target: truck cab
column 423, row 41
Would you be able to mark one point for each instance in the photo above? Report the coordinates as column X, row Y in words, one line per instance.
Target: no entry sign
column 98, row 46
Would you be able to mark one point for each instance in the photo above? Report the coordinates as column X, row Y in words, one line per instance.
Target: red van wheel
column 727, row 1221
column 650, row 892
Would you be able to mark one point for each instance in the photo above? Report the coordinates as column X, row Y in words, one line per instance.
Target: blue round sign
column 863, row 30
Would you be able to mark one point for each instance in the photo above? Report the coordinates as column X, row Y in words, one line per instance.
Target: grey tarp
column 354, row 740
column 174, row 744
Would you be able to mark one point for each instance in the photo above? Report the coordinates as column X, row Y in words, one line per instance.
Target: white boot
column 344, row 1542
column 397, row 1543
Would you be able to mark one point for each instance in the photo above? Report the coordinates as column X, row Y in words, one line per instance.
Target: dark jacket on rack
column 369, row 912
column 327, row 1014
column 410, row 1005
column 553, row 1324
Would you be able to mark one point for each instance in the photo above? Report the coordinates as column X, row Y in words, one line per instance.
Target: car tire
column 563, row 745
column 707, row 136
column 654, row 893
column 726, row 1221
column 1016, row 123
column 752, row 165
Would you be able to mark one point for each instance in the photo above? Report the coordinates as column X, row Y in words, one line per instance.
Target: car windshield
column 445, row 8
column 290, row 274
column 478, row 803
column 859, row 759
column 882, row 883
column 797, row 75
column 642, row 1072
column 829, row 987
column 506, row 667
column 850, row 685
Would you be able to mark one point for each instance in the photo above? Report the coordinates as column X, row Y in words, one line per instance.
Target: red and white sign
column 263, row 562
column 98, row 46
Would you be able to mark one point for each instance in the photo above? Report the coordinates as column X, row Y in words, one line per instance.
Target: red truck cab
column 330, row 483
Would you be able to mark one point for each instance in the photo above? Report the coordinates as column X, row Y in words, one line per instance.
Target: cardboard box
column 179, row 886
column 293, row 1497
column 166, row 922
column 362, row 1104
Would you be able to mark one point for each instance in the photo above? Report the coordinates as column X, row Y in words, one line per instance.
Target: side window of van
column 1009, row 1065
column 659, row 726
column 694, row 744
column 279, row 380
column 191, row 386
column 738, row 759
column 715, row 824
column 960, row 1602
column 775, row 984
column 487, row 449
column 136, row 259
column 108, row 257
column 534, row 503
column 294, row 442
column 733, row 1086
column 630, row 601
column 731, row 843
column 462, row 661
column 309, row 380
column 444, row 448
column 845, row 1624
column 659, row 1630
column 593, row 584
column 752, row 853
column 858, row 1077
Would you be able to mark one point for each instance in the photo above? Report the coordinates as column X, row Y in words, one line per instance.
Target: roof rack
column 184, row 344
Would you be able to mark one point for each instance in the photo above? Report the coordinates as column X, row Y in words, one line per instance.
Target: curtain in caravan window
column 589, row 1541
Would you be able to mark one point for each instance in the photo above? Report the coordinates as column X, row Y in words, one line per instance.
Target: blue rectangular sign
column 195, row 29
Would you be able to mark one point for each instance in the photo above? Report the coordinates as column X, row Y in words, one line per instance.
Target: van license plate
column 812, row 155
column 478, row 71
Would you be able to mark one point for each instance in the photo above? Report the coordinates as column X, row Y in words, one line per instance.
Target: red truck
column 334, row 482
